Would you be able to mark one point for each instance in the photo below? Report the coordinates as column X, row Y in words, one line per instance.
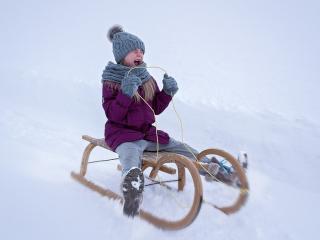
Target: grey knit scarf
column 116, row 72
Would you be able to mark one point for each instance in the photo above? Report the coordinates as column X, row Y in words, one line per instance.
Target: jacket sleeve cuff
column 165, row 95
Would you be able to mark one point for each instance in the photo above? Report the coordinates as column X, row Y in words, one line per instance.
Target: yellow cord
column 156, row 126
column 146, row 67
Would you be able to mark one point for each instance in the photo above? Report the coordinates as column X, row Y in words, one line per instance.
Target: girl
column 129, row 130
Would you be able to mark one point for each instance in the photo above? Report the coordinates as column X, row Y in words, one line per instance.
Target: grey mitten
column 170, row 85
column 130, row 84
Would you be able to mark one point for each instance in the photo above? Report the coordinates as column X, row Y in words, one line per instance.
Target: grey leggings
column 130, row 153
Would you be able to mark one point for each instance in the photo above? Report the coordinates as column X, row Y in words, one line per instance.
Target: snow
column 248, row 76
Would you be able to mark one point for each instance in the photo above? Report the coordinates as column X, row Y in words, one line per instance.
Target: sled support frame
column 183, row 166
column 149, row 160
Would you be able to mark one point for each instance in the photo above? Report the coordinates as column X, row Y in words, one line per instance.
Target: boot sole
column 132, row 192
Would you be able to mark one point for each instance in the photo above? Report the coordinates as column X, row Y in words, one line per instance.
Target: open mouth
column 137, row 62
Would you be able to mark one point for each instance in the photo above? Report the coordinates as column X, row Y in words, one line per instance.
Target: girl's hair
column 149, row 88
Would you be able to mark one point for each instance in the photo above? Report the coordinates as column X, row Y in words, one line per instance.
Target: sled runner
column 186, row 175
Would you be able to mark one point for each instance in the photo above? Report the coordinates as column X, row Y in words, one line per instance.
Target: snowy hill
column 248, row 76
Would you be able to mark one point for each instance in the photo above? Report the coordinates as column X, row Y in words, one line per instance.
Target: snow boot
column 132, row 188
column 218, row 173
column 225, row 173
column 213, row 169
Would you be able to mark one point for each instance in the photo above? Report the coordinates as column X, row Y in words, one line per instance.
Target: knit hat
column 123, row 42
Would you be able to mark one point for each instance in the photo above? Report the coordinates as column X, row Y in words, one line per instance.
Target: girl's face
column 133, row 58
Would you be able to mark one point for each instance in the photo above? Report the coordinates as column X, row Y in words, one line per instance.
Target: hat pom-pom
column 113, row 30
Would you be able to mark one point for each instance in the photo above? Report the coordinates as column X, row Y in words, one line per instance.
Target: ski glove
column 130, row 84
column 170, row 85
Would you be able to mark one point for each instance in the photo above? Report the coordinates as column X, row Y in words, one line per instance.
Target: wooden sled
column 183, row 166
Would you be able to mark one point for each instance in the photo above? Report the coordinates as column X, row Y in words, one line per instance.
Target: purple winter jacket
column 129, row 120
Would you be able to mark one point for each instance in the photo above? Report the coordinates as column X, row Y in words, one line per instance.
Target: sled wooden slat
column 96, row 141
column 148, row 158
